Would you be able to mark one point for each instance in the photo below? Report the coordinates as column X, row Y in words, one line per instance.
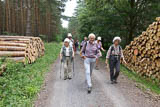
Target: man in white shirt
column 71, row 40
column 66, row 56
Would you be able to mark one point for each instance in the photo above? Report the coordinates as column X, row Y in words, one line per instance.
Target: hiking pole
column 73, row 67
column 60, row 69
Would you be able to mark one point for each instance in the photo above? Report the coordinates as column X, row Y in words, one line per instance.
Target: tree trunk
column 131, row 24
column 22, row 18
column 1, row 19
column 7, row 15
column 28, row 24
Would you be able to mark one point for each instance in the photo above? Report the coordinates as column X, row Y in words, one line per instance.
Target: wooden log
column 29, row 47
column 11, row 48
column 12, row 53
column 147, row 62
column 5, row 36
column 12, row 44
column 2, row 68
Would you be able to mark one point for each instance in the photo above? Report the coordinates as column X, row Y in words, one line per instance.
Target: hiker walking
column 114, row 55
column 67, row 55
column 89, row 54
column 76, row 45
column 100, row 47
column 83, row 42
column 71, row 41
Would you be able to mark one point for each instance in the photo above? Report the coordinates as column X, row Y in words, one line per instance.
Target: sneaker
column 65, row 78
column 89, row 90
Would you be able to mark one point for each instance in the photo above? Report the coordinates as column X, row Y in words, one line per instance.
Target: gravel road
column 73, row 93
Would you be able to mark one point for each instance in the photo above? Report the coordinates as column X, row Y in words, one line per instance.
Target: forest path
column 73, row 93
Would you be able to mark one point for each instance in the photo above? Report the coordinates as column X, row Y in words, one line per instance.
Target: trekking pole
column 60, row 69
column 73, row 67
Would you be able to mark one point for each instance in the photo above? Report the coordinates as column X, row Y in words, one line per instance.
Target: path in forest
column 73, row 93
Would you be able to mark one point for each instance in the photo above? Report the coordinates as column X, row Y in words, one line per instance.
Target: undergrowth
column 19, row 84
column 145, row 83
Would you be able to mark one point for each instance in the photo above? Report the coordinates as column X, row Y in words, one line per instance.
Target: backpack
column 64, row 53
column 86, row 46
column 112, row 49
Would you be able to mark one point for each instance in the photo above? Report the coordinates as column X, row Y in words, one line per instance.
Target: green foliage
column 20, row 84
column 43, row 37
column 144, row 83
column 63, row 34
column 9, row 34
column 110, row 18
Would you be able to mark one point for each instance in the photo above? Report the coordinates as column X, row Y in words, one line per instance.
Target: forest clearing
column 79, row 53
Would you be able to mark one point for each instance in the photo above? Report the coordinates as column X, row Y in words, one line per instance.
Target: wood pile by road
column 143, row 53
column 21, row 48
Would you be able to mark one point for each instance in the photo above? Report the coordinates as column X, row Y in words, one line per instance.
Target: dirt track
column 73, row 93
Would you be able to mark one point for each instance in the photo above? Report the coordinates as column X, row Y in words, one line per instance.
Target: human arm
column 103, row 49
column 73, row 54
column 122, row 56
column 82, row 52
column 108, row 55
column 81, row 44
column 106, row 61
column 60, row 55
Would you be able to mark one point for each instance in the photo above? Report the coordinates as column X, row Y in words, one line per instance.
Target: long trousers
column 67, row 68
column 114, row 63
column 89, row 65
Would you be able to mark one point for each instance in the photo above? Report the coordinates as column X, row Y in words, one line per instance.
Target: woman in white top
column 67, row 55
column 114, row 55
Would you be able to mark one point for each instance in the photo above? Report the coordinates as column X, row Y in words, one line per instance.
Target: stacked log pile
column 21, row 48
column 143, row 53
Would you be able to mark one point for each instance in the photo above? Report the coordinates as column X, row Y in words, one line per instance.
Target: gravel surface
column 73, row 93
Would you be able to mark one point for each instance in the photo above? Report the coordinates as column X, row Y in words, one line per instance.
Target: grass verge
column 19, row 85
column 146, row 84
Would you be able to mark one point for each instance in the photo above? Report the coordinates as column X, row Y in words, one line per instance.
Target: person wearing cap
column 76, row 45
column 100, row 47
column 83, row 42
column 89, row 53
column 114, row 55
column 66, row 56
column 71, row 43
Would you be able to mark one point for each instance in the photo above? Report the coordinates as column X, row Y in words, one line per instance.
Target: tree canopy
column 110, row 18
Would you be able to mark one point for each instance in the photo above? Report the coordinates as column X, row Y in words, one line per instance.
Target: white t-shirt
column 67, row 51
column 71, row 43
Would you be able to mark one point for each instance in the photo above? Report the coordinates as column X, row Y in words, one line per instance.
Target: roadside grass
column 143, row 83
column 20, row 85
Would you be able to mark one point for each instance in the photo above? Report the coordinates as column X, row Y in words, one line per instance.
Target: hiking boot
column 69, row 78
column 65, row 78
column 115, row 81
column 89, row 90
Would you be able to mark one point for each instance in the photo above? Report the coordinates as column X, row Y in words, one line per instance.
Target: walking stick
column 60, row 69
column 73, row 67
